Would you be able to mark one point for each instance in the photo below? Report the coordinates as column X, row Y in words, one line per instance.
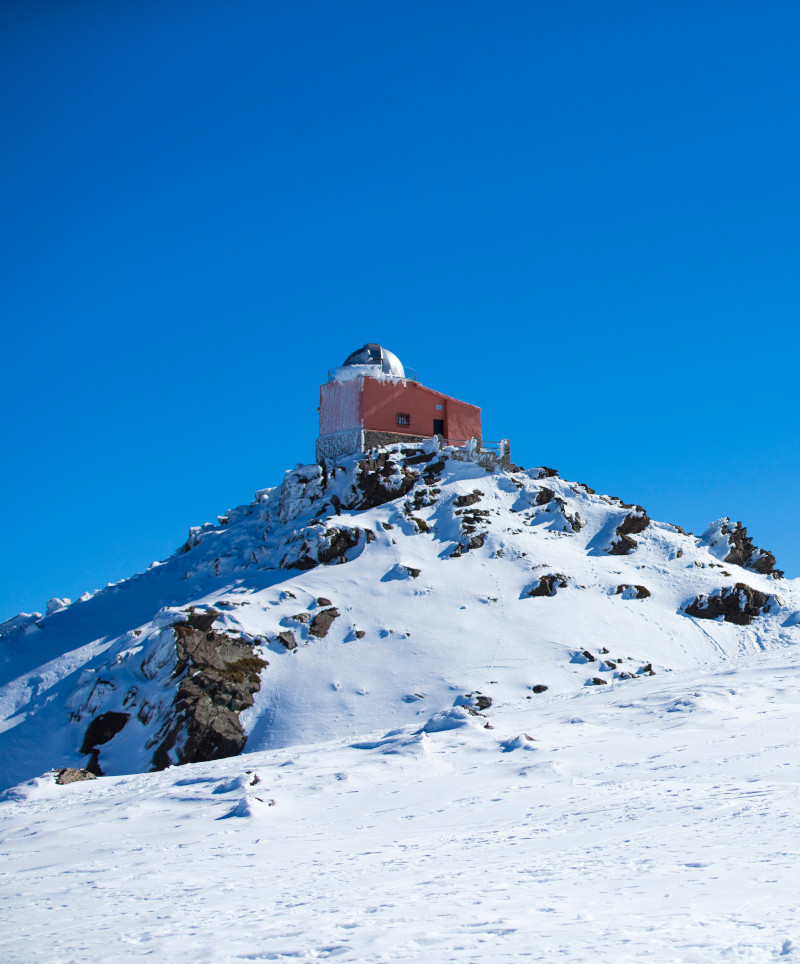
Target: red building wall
column 374, row 404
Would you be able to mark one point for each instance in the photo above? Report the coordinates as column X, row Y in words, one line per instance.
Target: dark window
column 438, row 426
column 403, row 418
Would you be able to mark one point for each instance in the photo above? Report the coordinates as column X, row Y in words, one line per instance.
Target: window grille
column 403, row 418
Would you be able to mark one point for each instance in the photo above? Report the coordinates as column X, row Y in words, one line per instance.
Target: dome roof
column 381, row 358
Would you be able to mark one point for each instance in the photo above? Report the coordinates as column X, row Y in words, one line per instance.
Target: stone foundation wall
column 341, row 443
column 379, row 439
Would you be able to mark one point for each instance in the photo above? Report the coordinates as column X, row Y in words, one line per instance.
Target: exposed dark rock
column 744, row 553
column 336, row 543
column 322, row 622
column 588, row 656
column 483, row 702
column 636, row 592
column 379, row 483
column 219, row 674
column 539, row 688
column 414, row 573
column 434, row 469
column 288, row 640
column 370, row 535
column 596, row 681
column 545, row 472
column 360, row 634
column 102, row 729
column 301, row 618
column 634, row 522
column 476, row 541
column 739, row 605
column 202, row 620
column 622, row 545
column 459, row 549
column 471, row 499
column 72, row 775
column 548, row 585
column 322, row 601
column 421, row 458
column 575, row 521
column 303, row 563
column 544, row 495
column 421, row 524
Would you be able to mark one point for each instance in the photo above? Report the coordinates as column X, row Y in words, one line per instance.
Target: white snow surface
column 656, row 821
column 651, row 818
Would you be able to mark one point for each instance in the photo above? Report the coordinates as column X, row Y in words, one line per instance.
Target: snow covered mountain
column 410, row 586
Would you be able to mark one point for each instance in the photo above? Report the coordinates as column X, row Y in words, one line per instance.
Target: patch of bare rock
column 739, row 604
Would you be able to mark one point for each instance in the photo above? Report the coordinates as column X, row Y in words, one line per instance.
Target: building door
column 438, row 426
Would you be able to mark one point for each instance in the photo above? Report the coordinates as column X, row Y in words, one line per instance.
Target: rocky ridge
column 370, row 590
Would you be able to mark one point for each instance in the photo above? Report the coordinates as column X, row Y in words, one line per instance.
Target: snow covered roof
column 376, row 355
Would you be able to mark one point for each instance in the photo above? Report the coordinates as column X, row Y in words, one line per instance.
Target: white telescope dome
column 377, row 356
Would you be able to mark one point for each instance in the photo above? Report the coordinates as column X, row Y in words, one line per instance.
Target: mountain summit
column 415, row 583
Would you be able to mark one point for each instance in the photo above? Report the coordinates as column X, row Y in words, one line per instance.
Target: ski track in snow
column 654, row 822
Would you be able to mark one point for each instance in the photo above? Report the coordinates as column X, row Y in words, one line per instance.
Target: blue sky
column 582, row 217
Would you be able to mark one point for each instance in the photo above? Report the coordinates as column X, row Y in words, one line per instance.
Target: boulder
column 288, row 640
column 322, row 622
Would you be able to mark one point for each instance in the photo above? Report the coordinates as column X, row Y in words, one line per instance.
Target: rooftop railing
column 485, row 444
column 410, row 373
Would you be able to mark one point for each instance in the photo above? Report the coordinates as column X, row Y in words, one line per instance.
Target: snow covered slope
column 378, row 593
column 652, row 821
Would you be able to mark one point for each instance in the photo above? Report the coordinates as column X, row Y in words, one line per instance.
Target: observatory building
column 371, row 400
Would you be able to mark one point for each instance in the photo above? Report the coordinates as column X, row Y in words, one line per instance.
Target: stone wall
column 379, row 439
column 340, row 443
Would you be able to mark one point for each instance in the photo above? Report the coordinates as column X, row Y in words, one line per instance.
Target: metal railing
column 485, row 444
column 410, row 373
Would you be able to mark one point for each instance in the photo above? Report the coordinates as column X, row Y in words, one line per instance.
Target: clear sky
column 581, row 216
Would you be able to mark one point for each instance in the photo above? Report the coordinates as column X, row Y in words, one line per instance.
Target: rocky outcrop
column 634, row 522
column 548, row 585
column 741, row 551
column 632, row 592
column 336, row 542
column 380, row 480
column 219, row 675
column 739, row 604
column 72, row 775
column 102, row 729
